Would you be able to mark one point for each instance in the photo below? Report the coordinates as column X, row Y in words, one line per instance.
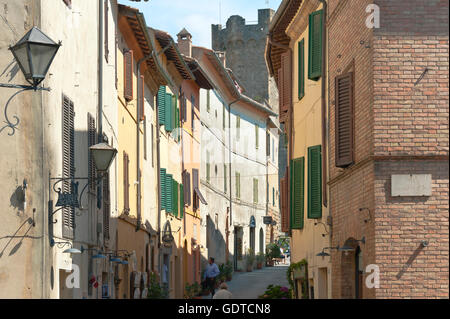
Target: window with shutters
column 238, row 185
column 175, row 198
column 161, row 102
column 128, row 75
column 297, row 193
column 208, row 101
column 286, row 79
column 255, row 191
column 181, row 200
column 168, row 122
column 169, row 193
column 184, row 108
column 106, row 206
column 68, row 161
column 208, row 167
column 195, row 185
column 344, row 120
column 284, row 205
column 315, row 45
column 162, row 180
column 92, row 137
column 187, row 187
column 106, row 27
column 314, row 182
column 301, row 69
column 126, row 183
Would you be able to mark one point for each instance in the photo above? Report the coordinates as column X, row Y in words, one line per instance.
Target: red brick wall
column 407, row 270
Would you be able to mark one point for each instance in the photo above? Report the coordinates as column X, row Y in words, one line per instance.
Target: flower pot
column 259, row 266
column 249, row 268
column 229, row 278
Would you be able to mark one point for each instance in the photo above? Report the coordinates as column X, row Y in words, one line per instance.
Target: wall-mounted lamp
column 61, row 244
column 362, row 240
column 34, row 54
column 103, row 155
column 323, row 253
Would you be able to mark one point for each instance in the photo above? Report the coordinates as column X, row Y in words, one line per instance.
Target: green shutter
column 175, row 197
column 161, row 105
column 174, row 112
column 181, row 200
column 314, row 182
column 301, row 69
column 315, row 45
column 162, row 179
column 256, row 136
column 169, row 109
column 169, row 193
column 298, row 193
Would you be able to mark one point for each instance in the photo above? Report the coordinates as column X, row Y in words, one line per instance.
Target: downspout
column 229, row 156
column 324, row 105
column 140, row 99
column 100, row 73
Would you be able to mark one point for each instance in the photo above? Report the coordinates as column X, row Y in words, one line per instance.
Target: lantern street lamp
column 103, row 155
column 34, row 54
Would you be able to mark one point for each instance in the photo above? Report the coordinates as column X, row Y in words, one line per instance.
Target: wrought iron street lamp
column 103, row 155
column 34, row 54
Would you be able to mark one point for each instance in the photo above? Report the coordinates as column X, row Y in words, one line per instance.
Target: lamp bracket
column 13, row 126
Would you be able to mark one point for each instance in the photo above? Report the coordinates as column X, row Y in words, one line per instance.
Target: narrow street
column 250, row 285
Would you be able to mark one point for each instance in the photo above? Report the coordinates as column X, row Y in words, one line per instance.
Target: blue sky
column 197, row 15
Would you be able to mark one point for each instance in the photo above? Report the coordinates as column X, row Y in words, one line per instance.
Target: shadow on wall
column 11, row 70
column 409, row 262
column 11, row 238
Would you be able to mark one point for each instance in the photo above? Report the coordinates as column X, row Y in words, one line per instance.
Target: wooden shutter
column 168, row 110
column 238, row 127
column 128, row 75
column 184, row 109
column 284, row 205
column 181, row 200
column 106, row 206
column 314, row 182
column 161, row 101
column 281, row 87
column 287, row 81
column 256, row 136
column 142, row 101
column 255, row 190
column 175, row 197
column 301, row 69
column 105, row 11
column 238, row 185
column 344, row 120
column 298, row 193
column 208, row 101
column 162, row 179
column 92, row 134
column 188, row 190
column 175, row 114
column 68, row 159
column 315, row 45
column 169, row 193
column 195, row 185
column 126, row 183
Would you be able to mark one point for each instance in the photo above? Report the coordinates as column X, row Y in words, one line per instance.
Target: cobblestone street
column 249, row 285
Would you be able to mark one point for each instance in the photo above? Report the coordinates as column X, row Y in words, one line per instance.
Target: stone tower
column 244, row 46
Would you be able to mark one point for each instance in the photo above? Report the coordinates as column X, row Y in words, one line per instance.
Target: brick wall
column 407, row 269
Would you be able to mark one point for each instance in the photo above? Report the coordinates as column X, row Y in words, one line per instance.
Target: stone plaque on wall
column 411, row 185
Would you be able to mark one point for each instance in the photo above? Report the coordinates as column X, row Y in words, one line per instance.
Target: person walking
column 223, row 293
column 212, row 271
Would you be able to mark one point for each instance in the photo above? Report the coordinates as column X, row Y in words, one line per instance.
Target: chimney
column 221, row 56
column 185, row 42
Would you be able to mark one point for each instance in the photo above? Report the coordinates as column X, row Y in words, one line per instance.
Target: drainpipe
column 140, row 99
column 229, row 159
column 324, row 105
column 100, row 72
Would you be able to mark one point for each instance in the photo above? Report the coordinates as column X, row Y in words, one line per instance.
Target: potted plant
column 250, row 259
column 272, row 251
column 260, row 258
column 192, row 291
column 276, row 292
column 155, row 290
column 228, row 271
